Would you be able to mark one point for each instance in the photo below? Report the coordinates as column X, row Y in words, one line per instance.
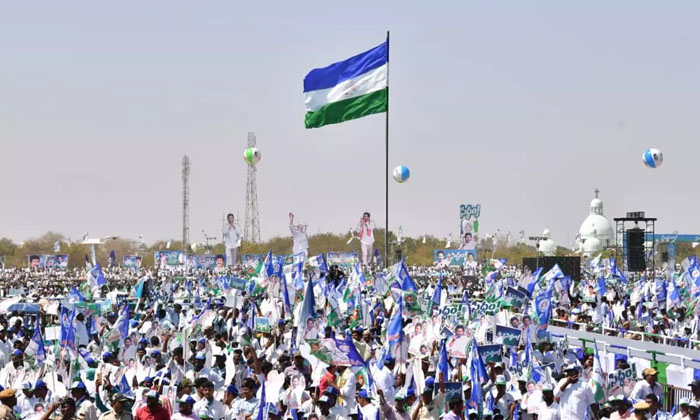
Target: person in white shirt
column 365, row 231
column 301, row 241
column 682, row 413
column 549, row 409
column 647, row 386
column 231, row 241
column 384, row 378
column 575, row 395
column 81, row 334
column 368, row 410
column 216, row 408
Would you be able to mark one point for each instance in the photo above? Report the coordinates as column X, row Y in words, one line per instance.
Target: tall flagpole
column 386, row 170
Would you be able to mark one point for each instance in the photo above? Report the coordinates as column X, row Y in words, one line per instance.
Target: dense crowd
column 308, row 341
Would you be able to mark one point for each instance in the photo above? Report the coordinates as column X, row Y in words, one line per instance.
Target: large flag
column 36, row 345
column 67, row 329
column 97, row 275
column 531, row 280
column 674, row 298
column 543, row 307
column 477, row 372
column 348, row 89
column 308, row 309
column 394, row 332
column 262, row 407
column 443, row 366
column 598, row 377
column 615, row 272
column 268, row 266
column 125, row 389
column 435, row 301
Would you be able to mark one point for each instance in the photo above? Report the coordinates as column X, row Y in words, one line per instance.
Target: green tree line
column 417, row 251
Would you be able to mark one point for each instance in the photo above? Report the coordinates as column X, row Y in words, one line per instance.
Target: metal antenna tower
column 185, row 202
column 252, row 217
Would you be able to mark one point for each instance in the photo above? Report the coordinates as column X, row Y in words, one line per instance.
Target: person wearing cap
column 398, row 410
column 216, row 408
column 24, row 399
column 384, row 378
column 365, row 406
column 118, row 411
column 152, row 410
column 575, row 396
column 230, row 397
column 655, row 411
column 502, row 400
column 682, row 413
column 693, row 409
column 84, row 408
column 641, row 410
column 199, row 369
column 8, row 400
column 299, row 367
column 548, row 409
column 647, row 385
column 185, row 405
column 428, row 408
column 622, row 408
column 12, row 373
column 695, row 389
column 247, row 404
column 42, row 395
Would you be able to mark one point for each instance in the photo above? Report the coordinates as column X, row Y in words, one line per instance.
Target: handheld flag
column 436, row 295
column 308, row 308
column 36, row 345
column 598, row 376
column 615, row 272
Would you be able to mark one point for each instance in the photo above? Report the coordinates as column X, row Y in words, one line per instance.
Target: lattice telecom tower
column 252, row 217
column 185, row 201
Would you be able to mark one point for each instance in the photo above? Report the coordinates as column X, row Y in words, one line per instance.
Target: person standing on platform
column 365, row 231
column 301, row 241
column 232, row 240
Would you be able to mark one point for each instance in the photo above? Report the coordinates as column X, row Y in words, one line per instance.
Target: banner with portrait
column 132, row 262
column 49, row 261
column 344, row 260
column 508, row 336
column 252, row 260
column 469, row 225
column 206, row 261
column 169, row 260
column 455, row 257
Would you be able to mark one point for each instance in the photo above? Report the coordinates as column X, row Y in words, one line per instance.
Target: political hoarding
column 206, row 261
column 469, row 225
column 169, row 260
column 345, row 260
column 455, row 257
column 131, row 261
column 48, row 261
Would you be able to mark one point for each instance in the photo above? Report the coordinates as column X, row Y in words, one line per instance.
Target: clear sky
column 524, row 107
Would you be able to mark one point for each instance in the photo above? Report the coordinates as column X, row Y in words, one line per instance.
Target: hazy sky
column 524, row 107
